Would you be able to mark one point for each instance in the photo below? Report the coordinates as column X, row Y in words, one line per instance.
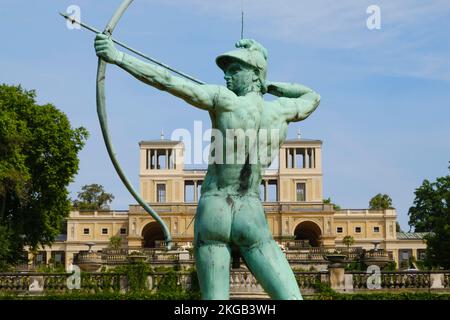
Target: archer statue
column 230, row 212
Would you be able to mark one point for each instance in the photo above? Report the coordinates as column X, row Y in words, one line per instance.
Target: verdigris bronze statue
column 230, row 212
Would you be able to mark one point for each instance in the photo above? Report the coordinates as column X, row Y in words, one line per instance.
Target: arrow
column 121, row 44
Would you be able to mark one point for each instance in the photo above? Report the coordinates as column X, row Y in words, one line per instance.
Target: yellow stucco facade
column 292, row 195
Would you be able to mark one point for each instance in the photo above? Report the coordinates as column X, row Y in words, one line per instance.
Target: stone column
column 167, row 159
column 307, row 158
column 288, row 158
column 295, row 159
column 313, row 158
column 195, row 191
column 265, row 190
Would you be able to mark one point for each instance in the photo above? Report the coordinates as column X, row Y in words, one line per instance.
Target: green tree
column 5, row 245
column 348, row 241
column 115, row 242
column 335, row 206
column 38, row 160
column 93, row 197
column 431, row 213
column 380, row 202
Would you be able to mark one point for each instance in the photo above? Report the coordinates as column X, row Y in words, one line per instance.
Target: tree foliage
column 348, row 241
column 93, row 197
column 336, row 207
column 115, row 242
column 5, row 245
column 431, row 213
column 38, row 160
column 380, row 202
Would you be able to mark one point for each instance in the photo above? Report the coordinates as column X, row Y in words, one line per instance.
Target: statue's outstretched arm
column 296, row 101
column 207, row 97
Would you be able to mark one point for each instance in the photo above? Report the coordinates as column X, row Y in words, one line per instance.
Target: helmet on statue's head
column 249, row 52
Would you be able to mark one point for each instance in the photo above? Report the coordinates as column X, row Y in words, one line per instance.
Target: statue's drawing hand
column 104, row 47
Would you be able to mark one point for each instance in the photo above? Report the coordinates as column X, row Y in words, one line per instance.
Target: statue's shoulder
column 272, row 111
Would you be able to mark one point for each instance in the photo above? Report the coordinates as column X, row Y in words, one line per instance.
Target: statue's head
column 245, row 68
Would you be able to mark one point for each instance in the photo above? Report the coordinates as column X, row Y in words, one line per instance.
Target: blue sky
column 385, row 110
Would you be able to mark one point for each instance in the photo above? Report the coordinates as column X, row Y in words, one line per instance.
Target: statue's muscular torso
column 236, row 178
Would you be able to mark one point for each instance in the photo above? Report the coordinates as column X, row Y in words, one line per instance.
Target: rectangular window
column 357, row 229
column 376, row 229
column 161, row 192
column 339, row 230
column 272, row 191
column 123, row 231
column 104, row 230
column 40, row 258
column 189, row 191
column 86, row 231
column 421, row 254
column 405, row 255
column 261, row 191
column 58, row 257
column 301, row 191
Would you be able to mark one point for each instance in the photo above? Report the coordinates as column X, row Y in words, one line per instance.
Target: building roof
column 288, row 141
column 411, row 235
column 160, row 141
column 175, row 142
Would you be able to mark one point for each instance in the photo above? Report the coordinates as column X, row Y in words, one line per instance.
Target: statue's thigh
column 212, row 221
column 249, row 223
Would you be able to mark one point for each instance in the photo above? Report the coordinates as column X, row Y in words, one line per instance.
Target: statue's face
column 239, row 77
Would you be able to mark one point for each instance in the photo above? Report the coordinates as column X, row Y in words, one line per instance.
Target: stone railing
column 365, row 212
column 400, row 280
column 394, row 280
column 157, row 255
column 308, row 280
column 269, row 207
column 305, row 207
column 303, row 256
column 242, row 283
column 447, row 280
column 38, row 282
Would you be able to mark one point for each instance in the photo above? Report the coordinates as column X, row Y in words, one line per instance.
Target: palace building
column 292, row 197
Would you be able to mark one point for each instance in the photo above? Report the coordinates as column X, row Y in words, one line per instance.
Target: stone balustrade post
column 348, row 282
column 337, row 277
column 150, row 282
column 437, row 281
column 36, row 285
column 123, row 284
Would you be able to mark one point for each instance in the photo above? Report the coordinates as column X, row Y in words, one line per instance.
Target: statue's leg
column 272, row 270
column 262, row 254
column 213, row 271
column 211, row 246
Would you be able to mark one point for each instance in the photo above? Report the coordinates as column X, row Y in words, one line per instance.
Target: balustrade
column 394, row 280
column 241, row 281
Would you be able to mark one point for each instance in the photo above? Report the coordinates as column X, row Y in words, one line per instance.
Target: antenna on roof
column 242, row 19
column 162, row 134
column 298, row 134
